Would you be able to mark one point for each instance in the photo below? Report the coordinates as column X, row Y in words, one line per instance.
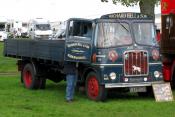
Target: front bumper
column 120, row 85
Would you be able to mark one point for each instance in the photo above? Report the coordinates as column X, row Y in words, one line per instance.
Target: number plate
column 137, row 89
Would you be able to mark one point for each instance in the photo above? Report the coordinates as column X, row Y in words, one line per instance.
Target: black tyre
column 21, row 79
column 94, row 90
column 42, row 83
column 29, row 77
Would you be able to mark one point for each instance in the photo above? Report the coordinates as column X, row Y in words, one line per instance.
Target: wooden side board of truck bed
column 52, row 50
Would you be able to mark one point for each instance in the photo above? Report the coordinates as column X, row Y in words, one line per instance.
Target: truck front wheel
column 94, row 90
column 29, row 77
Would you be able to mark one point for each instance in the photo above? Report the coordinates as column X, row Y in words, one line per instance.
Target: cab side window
column 80, row 29
column 88, row 30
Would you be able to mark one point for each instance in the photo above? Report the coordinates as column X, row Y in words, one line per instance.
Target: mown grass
column 16, row 101
column 6, row 64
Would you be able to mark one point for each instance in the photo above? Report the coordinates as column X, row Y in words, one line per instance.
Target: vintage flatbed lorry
column 115, row 51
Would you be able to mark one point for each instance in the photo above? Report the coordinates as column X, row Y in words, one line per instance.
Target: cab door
column 78, row 44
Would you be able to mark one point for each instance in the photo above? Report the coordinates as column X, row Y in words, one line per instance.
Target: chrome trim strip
column 159, row 63
column 121, row 85
column 107, row 64
column 121, row 64
column 101, row 56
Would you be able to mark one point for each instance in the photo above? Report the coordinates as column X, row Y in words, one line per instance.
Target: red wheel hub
column 28, row 78
column 93, row 87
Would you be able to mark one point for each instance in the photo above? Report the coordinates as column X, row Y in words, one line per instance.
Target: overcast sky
column 59, row 10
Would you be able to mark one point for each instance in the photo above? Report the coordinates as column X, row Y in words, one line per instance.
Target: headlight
column 156, row 74
column 112, row 75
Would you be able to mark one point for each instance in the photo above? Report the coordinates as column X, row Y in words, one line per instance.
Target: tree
column 146, row 6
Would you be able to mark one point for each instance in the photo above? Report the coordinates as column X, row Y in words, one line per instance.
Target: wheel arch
column 23, row 62
column 86, row 72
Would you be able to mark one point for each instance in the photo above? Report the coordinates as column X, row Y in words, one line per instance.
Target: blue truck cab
column 119, row 51
column 116, row 51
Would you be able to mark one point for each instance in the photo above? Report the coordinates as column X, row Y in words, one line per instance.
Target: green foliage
column 146, row 6
column 132, row 2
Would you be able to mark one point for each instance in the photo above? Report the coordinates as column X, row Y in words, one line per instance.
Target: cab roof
column 126, row 15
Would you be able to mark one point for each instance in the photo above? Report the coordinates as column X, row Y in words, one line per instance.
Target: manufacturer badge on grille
column 135, row 68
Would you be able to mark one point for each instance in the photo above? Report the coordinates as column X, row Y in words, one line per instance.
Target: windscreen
column 43, row 27
column 113, row 34
column 144, row 33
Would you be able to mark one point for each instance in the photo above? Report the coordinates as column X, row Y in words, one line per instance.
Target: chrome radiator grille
column 135, row 63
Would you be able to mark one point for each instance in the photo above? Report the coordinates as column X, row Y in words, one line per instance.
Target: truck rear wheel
column 94, row 90
column 29, row 77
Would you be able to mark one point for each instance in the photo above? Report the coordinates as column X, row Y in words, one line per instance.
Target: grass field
column 6, row 64
column 16, row 101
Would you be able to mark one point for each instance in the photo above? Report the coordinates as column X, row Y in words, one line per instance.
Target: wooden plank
column 52, row 50
column 162, row 92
